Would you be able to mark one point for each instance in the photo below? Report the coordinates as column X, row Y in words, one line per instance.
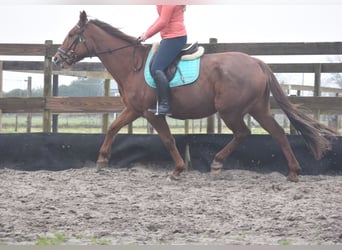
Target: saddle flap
column 191, row 52
column 185, row 71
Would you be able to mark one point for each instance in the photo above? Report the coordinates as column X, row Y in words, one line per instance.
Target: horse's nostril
column 55, row 60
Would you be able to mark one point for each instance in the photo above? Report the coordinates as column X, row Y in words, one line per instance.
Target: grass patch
column 57, row 239
column 100, row 241
column 285, row 242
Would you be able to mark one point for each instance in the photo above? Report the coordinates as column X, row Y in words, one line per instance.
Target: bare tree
column 336, row 77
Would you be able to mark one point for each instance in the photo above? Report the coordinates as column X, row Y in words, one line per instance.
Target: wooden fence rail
column 113, row 104
column 297, row 48
column 96, row 70
column 49, row 104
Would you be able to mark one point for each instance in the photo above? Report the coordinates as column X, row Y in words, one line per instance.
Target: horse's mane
column 114, row 31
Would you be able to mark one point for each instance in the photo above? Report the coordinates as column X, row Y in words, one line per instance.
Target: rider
column 170, row 24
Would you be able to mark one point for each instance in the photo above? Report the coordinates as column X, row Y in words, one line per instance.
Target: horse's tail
column 317, row 136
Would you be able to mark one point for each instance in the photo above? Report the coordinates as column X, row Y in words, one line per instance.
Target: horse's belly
column 192, row 109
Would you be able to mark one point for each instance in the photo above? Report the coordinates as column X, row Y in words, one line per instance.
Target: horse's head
column 74, row 47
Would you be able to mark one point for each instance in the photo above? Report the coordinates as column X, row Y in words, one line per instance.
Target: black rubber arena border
column 47, row 151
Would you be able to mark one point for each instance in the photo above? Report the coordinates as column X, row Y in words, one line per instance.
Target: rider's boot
column 163, row 92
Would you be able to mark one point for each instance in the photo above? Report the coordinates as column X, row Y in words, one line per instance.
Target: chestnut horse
column 232, row 84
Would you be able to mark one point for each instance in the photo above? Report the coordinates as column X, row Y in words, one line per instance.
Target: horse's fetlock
column 103, row 154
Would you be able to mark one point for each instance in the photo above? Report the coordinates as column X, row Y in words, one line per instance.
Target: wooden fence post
column 186, row 126
column 333, row 119
column 293, row 131
column 55, row 83
column 105, row 116
column 249, row 121
column 336, row 118
column 150, row 129
column 211, row 119
column 219, row 123
column 47, row 86
column 317, row 87
column 130, row 128
column 187, row 156
column 29, row 94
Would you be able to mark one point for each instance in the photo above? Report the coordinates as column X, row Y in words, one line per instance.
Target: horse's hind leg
column 271, row 126
column 240, row 133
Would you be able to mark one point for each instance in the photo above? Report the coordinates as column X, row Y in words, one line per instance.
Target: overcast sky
column 290, row 21
column 228, row 23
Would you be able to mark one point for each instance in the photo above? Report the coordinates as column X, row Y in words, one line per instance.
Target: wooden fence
column 49, row 104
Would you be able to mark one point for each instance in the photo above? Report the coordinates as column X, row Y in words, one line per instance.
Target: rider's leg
column 166, row 53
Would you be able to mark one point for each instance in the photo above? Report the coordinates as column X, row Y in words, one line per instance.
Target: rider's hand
column 142, row 38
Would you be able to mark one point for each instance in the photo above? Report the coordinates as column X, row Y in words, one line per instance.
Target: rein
column 110, row 51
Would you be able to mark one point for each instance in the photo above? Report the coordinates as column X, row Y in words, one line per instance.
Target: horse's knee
column 242, row 135
column 170, row 143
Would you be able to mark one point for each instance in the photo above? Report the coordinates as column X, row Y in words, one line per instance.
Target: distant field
column 92, row 123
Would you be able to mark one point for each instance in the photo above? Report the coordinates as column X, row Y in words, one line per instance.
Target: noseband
column 70, row 56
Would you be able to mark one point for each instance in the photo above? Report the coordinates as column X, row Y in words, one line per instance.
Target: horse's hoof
column 216, row 168
column 101, row 165
column 216, row 171
column 293, row 178
column 173, row 177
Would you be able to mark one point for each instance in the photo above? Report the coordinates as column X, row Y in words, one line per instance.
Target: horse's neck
column 117, row 62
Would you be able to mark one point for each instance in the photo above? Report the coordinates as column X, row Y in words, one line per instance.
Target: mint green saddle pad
column 187, row 72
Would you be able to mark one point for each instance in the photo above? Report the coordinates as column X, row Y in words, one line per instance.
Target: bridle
column 70, row 57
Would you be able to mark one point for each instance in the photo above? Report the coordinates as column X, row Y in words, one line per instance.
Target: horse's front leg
column 161, row 126
column 125, row 117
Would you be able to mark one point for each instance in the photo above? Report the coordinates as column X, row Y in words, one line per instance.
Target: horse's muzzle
column 59, row 61
column 56, row 59
column 62, row 60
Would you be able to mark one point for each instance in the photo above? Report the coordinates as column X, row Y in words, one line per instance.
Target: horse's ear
column 83, row 16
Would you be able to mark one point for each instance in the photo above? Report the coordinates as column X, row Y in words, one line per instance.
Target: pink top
column 170, row 22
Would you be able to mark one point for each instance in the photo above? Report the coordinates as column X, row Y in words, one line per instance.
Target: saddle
column 191, row 52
